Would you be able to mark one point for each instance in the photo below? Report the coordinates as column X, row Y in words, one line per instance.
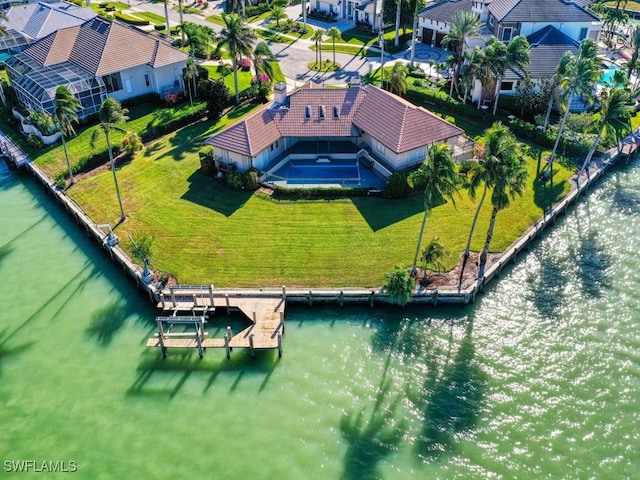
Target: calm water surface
column 539, row 379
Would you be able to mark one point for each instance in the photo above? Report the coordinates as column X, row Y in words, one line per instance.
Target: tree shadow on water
column 371, row 438
column 7, row 351
column 451, row 401
column 106, row 322
column 546, row 287
column 593, row 264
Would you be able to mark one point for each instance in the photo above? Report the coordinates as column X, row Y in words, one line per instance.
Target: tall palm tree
column 181, row 22
column 515, row 56
column 438, row 176
column 111, row 115
column 614, row 120
column 582, row 72
column 635, row 51
column 317, row 37
column 334, row 34
column 396, row 42
column 304, row 16
column 262, row 58
column 190, row 75
column 65, row 111
column 238, row 39
column 558, row 75
column 166, row 17
column 506, row 174
column 474, row 69
column 465, row 25
column 397, row 81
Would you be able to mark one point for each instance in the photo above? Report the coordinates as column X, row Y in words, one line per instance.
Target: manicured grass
column 204, row 232
column 52, row 159
column 152, row 17
column 226, row 74
column 285, row 30
column 325, row 66
column 262, row 16
column 358, row 37
column 117, row 5
column 346, row 49
column 630, row 5
column 217, row 19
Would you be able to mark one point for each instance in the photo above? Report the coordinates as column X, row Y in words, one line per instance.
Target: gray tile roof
column 396, row 123
column 539, row 11
column 547, row 48
column 36, row 20
column 445, row 11
column 101, row 46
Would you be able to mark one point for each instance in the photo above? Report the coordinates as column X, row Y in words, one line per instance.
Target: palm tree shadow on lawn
column 380, row 213
column 546, row 193
column 212, row 193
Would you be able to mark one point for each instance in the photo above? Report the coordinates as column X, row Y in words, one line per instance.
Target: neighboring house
column 28, row 22
column 551, row 26
column 94, row 60
column 392, row 130
column 351, row 11
column 508, row 18
column 434, row 21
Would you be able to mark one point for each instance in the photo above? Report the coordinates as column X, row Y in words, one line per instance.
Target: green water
column 539, row 379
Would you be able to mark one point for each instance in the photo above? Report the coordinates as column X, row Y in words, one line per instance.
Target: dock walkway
column 266, row 314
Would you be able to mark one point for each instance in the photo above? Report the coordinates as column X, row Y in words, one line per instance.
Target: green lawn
column 628, row 5
column 217, row 73
column 349, row 50
column 217, row 19
column 204, row 232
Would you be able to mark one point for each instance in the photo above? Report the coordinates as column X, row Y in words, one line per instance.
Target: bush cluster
column 397, row 187
column 255, row 10
column 281, row 193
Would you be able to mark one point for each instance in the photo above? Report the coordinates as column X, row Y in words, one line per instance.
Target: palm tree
column 558, row 75
column 262, row 58
column 582, row 72
column 497, row 142
column 506, row 174
column 432, row 253
column 277, row 14
column 65, row 111
column 190, row 75
column 396, row 42
column 111, row 115
column 399, row 286
column 438, row 176
column 397, row 81
column 465, row 25
column 181, row 22
column 515, row 56
column 635, row 45
column 334, row 34
column 614, row 120
column 474, row 69
column 166, row 17
column 238, row 39
column 304, row 16
column 317, row 36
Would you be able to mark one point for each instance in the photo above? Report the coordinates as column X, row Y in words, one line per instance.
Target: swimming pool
column 325, row 172
column 606, row 79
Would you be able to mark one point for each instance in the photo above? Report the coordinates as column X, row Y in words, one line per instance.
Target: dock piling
column 226, row 346
column 211, row 295
column 226, row 299
column 253, row 352
column 280, row 344
column 341, row 297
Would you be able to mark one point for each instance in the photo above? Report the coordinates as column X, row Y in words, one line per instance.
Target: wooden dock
column 266, row 314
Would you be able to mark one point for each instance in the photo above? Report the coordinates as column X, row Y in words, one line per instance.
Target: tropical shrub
column 132, row 143
column 42, row 122
column 35, row 141
column 235, row 180
column 399, row 285
column 397, row 186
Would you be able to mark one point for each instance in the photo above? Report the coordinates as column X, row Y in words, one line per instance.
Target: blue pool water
column 607, row 75
column 348, row 173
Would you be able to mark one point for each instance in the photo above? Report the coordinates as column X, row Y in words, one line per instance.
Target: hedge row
column 130, row 19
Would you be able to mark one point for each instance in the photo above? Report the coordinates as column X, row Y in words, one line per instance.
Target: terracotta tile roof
column 540, row 11
column 302, row 117
column 445, row 11
column 398, row 124
column 250, row 136
column 101, row 46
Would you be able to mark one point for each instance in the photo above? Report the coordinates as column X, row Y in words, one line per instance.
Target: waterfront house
column 551, row 26
column 95, row 60
column 366, row 13
column 333, row 121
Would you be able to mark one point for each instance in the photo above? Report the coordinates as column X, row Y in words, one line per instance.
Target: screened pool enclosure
column 35, row 85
